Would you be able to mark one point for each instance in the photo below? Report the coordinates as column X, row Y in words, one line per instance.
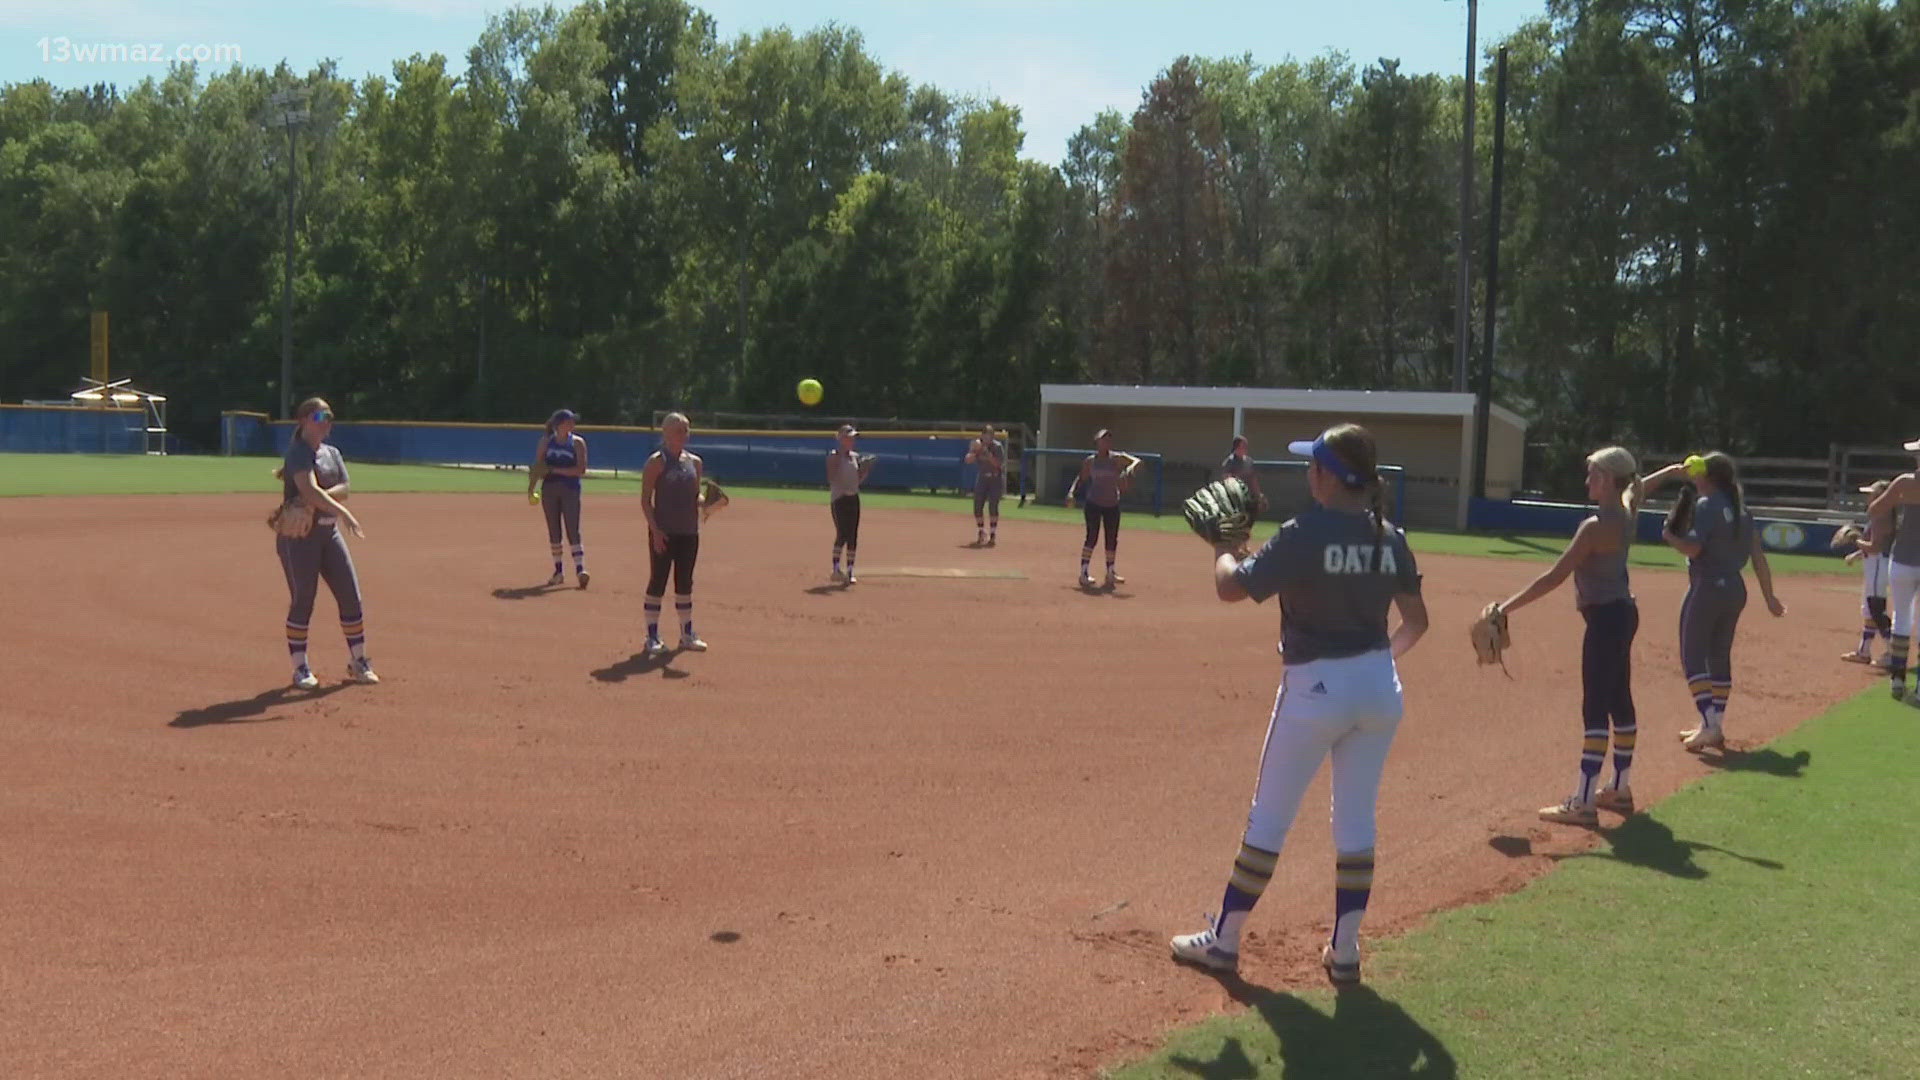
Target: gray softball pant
column 320, row 554
column 562, row 504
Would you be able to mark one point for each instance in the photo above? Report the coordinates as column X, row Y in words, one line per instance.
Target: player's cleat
column 838, row 576
column 980, row 538
column 1912, row 699
column 303, row 678
column 1571, row 812
column 850, row 579
column 1857, row 658
column 1086, row 581
column 1703, row 738
column 1343, row 974
column 1203, row 950
column 361, row 671
column 991, row 540
column 556, row 580
column 656, row 648
column 1883, row 661
column 692, row 644
column 1114, row 579
column 584, row 578
column 1619, row 800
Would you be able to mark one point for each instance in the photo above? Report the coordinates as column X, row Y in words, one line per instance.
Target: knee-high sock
column 1252, row 869
column 1352, row 887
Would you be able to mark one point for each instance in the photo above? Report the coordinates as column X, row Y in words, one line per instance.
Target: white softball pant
column 1347, row 709
column 1903, row 584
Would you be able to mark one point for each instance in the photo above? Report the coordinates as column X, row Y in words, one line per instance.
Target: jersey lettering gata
column 1357, row 559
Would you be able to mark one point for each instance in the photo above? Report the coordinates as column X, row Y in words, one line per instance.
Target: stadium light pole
column 289, row 112
column 1462, row 325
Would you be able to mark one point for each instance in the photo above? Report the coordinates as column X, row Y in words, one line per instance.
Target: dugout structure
column 1428, row 437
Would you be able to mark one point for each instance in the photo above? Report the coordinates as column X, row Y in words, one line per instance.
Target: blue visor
column 1319, row 451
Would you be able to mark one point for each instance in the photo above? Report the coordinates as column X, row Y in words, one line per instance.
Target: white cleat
column 1703, row 738
column 558, row 579
column 838, row 577
column 361, row 671
column 1203, row 950
column 1086, row 581
column 584, row 578
column 303, row 679
column 692, row 644
column 656, row 648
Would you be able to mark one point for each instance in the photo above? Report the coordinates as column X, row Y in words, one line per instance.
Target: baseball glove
column 1680, row 518
column 292, row 519
column 1221, row 513
column 1846, row 537
column 712, row 497
column 1490, row 637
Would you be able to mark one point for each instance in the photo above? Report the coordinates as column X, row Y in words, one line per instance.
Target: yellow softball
column 1696, row 465
column 810, row 391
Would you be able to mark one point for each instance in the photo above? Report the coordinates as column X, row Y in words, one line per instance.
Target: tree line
column 1711, row 232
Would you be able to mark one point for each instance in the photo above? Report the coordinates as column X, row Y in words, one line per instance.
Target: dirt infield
column 928, row 826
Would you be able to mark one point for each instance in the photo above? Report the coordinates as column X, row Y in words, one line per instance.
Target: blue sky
column 1060, row 61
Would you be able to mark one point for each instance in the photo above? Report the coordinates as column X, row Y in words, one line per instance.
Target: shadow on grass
column 1771, row 762
column 1644, row 841
column 641, row 664
column 251, row 710
column 1366, row 1036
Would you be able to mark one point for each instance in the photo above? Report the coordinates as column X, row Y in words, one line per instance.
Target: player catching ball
column 675, row 496
column 1869, row 549
column 989, row 484
column 1239, row 463
column 1336, row 570
column 314, row 488
column 1597, row 562
column 1104, row 476
column 846, row 471
column 559, row 461
column 1717, row 535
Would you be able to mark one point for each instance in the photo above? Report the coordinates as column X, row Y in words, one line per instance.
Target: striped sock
column 1897, row 664
column 1352, row 887
column 355, row 629
column 1593, row 751
column 1867, row 633
column 557, row 564
column 1722, row 690
column 993, row 529
column 1701, row 687
column 1109, row 562
column 1086, row 560
column 684, row 605
column 579, row 559
column 836, row 558
column 1252, row 869
column 1623, row 738
column 849, row 562
column 652, row 607
column 297, row 644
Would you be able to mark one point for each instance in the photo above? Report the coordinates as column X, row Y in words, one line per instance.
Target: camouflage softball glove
column 1221, row 513
column 713, row 498
column 1490, row 637
column 1680, row 518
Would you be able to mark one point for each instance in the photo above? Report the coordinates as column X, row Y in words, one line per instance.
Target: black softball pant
column 1102, row 517
column 1606, row 665
column 682, row 552
column 846, row 522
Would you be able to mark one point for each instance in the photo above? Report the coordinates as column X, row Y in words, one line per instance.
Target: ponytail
column 1377, row 504
column 1726, row 476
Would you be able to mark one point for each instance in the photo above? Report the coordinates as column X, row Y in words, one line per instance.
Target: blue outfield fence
column 1805, row 537
column 59, row 429
column 903, row 460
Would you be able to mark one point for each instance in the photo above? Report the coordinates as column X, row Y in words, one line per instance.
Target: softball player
column 989, row 483
column 1719, row 542
column 1903, row 572
column 846, row 471
column 670, row 488
column 1336, row 569
column 1597, row 562
column 1871, row 553
column 314, row 474
column 1104, row 475
column 1239, row 463
column 559, row 462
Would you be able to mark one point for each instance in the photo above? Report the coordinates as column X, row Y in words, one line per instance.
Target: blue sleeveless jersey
column 560, row 455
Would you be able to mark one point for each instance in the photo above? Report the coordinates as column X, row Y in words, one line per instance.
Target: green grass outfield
column 109, row 474
column 1758, row 924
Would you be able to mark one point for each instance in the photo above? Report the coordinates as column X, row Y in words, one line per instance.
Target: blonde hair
column 1619, row 463
column 673, row 418
column 307, row 408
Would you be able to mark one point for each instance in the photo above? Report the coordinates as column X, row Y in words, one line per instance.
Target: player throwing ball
column 1336, row 570
column 672, row 486
column 314, row 487
column 1717, row 535
column 846, row 471
column 1597, row 562
column 989, row 484
column 1104, row 476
